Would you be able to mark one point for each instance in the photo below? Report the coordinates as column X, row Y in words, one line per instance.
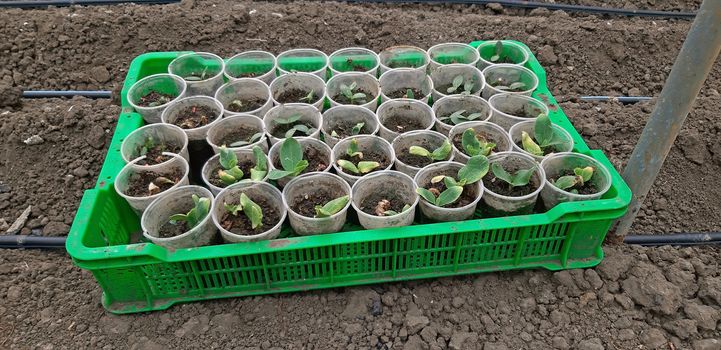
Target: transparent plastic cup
column 251, row 64
column 255, row 191
column 202, row 71
column 528, row 126
column 501, row 205
column 169, row 84
column 160, row 133
column 443, row 76
column 449, row 53
column 403, row 56
column 491, row 131
column 301, row 187
column 308, row 114
column 244, row 155
column 509, row 74
column 448, row 105
column 511, row 109
column 366, row 144
column 364, row 82
column 354, row 59
column 170, row 114
column 306, row 143
column 436, row 213
column 299, row 81
column 511, row 51
column 177, row 163
column 427, row 139
column 560, row 164
column 245, row 89
column 403, row 108
column 395, row 186
column 303, row 60
column 178, row 201
column 348, row 115
column 406, row 78
column 227, row 126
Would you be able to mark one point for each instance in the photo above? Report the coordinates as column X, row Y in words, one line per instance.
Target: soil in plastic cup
column 368, row 144
column 174, row 110
column 428, row 139
column 202, row 71
column 309, row 145
column 159, row 134
column 347, row 116
column 445, row 214
column 403, row 56
column 244, row 156
column 244, row 126
column 489, row 131
column 276, row 117
column 303, row 60
column 364, row 83
column 245, row 96
column 251, row 64
column 470, row 104
column 516, row 132
column 444, row 76
column 504, row 205
column 508, row 78
column 302, row 187
column 450, row 53
column 170, row 88
column 511, row 109
column 401, row 112
column 397, row 188
column 402, row 79
column 257, row 192
column 511, row 53
column 354, row 59
column 139, row 203
column 304, row 82
column 562, row 164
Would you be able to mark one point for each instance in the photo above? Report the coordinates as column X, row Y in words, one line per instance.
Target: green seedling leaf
column 252, row 211
column 195, row 215
column 468, row 86
column 419, row 151
column 499, row 51
column 332, row 207
column 238, row 104
column 585, row 173
column 543, row 129
column 291, row 159
column 352, row 150
column 366, row 167
column 348, row 166
column 517, row 85
column 474, row 170
column 439, row 153
column 233, row 209
column 409, row 94
column 437, row 179
column 309, row 98
column 357, row 128
column 393, row 212
column 301, row 128
column 529, row 145
column 473, row 146
column 228, row 158
column 347, row 91
column 284, row 121
column 252, row 139
column 450, row 195
column 258, row 172
column 451, row 182
column 520, row 178
column 457, row 82
column 566, row 182
column 334, row 134
column 426, row 194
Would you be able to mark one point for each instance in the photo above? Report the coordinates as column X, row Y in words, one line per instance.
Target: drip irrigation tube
column 622, row 99
column 61, row 3
column 680, row 239
column 69, row 93
column 24, row 241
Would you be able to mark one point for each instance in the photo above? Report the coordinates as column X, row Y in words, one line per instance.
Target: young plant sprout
column 353, row 97
column 291, row 159
column 310, row 97
column 457, row 117
column 457, row 82
column 502, row 84
column 148, row 145
column 472, row 172
column 580, row 177
column 197, row 77
column 440, row 153
column 474, row 146
column 517, row 179
column 154, row 186
column 544, row 137
column 382, row 208
column 195, row 215
column 299, row 127
column 355, row 131
column 231, row 173
column 235, row 105
column 410, row 94
column 363, row 167
column 253, row 139
column 499, row 52
column 251, row 210
column 331, row 208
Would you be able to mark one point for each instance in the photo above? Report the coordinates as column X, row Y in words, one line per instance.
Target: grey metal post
column 692, row 65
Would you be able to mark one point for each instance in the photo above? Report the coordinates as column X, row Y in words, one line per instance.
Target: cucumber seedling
column 382, row 209
column 571, row 183
column 310, row 97
column 544, row 137
column 456, row 84
column 518, row 179
column 291, row 159
column 292, row 129
column 332, row 207
column 440, row 153
column 192, row 218
column 253, row 139
column 231, row 173
column 354, row 131
column 458, row 117
column 472, row 172
column 357, row 98
column 363, row 167
column 474, row 146
column 249, row 208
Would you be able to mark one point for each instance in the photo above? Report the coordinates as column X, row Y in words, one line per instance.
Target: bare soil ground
column 638, row 298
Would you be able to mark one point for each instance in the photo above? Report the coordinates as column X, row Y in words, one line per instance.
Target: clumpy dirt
column 414, row 160
column 138, row 182
column 317, row 160
column 171, row 230
column 344, row 128
column 401, row 124
column 155, row 154
column 381, row 201
column 467, row 196
column 243, row 133
column 368, row 156
column 244, row 165
column 520, row 112
column 241, row 225
column 154, row 98
column 403, row 93
column 280, row 129
column 193, row 117
column 245, row 105
column 305, row 205
column 481, row 135
column 342, row 99
column 295, row 96
column 501, row 187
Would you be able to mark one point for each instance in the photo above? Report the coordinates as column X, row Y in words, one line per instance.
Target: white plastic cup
column 178, row 201
column 510, row 73
column 306, row 143
column 214, row 161
column 254, row 190
column 354, row 59
column 198, row 63
column 508, row 205
column 405, row 78
column 513, row 51
column 450, row 53
column 366, row 144
column 493, row 133
column 393, row 184
column 364, row 81
column 350, row 115
column 444, row 75
column 245, row 88
column 511, row 109
column 403, row 56
column 529, row 126
column 162, row 83
column 404, row 108
column 170, row 114
column 427, row 139
column 303, row 60
column 302, row 81
column 139, row 204
column 450, row 104
column 560, row 164
column 308, row 114
column 436, row 213
column 160, row 133
column 226, row 126
column 251, row 64
column 302, row 186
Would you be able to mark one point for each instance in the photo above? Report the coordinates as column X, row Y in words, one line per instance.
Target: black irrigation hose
column 24, row 241
column 622, row 99
column 677, row 239
column 69, row 93
column 60, row 3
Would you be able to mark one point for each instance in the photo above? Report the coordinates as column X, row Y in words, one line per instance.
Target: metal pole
column 692, row 65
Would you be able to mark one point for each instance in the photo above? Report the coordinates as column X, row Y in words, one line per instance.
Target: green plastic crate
column 139, row 277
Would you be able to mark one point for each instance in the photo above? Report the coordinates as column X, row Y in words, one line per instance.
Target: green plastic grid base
column 138, row 277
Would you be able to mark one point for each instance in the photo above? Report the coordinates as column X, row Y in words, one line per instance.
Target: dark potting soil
column 401, row 93
column 345, row 128
column 520, row 112
column 295, row 96
column 246, row 105
column 458, row 141
column 305, row 205
column 250, row 74
column 139, row 182
column 172, row 230
column 401, row 124
column 467, row 196
column 241, row 225
column 155, row 155
column 242, row 133
column 355, row 67
column 342, row 99
column 280, row 130
column 413, row 160
column 402, row 64
column 587, row 188
column 501, row 187
column 154, row 98
column 244, row 165
column 317, row 161
column 377, row 203
column 193, row 117
column 368, row 156
column 546, row 150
